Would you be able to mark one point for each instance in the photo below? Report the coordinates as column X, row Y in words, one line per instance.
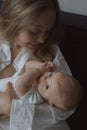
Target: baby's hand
column 46, row 66
column 42, row 66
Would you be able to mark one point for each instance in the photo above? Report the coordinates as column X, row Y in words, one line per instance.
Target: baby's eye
column 50, row 74
column 46, row 87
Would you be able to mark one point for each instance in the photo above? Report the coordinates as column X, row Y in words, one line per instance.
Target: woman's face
column 38, row 32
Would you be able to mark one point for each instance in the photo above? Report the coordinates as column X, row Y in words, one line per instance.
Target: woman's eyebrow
column 42, row 27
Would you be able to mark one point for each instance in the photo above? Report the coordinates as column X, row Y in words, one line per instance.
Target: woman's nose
column 41, row 38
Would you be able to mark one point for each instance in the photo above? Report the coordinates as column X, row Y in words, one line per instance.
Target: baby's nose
column 43, row 78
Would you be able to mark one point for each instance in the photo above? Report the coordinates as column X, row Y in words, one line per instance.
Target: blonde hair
column 16, row 15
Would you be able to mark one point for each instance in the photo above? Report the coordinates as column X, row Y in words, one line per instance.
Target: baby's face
column 48, row 86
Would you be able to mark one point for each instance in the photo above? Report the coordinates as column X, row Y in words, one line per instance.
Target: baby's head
column 60, row 90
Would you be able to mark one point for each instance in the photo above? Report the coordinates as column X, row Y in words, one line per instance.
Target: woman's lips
column 32, row 45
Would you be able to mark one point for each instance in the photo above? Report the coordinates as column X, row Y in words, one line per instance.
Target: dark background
column 74, row 49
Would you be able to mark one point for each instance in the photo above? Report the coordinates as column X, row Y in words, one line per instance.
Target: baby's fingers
column 50, row 65
column 47, row 66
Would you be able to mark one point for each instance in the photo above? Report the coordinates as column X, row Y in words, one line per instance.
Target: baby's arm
column 33, row 70
column 24, row 83
column 43, row 66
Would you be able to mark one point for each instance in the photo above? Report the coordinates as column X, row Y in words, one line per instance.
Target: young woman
column 29, row 29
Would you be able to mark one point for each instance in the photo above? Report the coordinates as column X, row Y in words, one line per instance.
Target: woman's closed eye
column 34, row 31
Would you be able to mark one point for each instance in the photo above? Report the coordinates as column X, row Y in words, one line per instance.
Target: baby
column 56, row 88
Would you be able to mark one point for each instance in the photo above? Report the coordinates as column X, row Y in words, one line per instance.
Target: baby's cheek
column 40, row 89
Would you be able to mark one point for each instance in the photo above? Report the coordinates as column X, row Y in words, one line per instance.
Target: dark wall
column 0, row 2
column 74, row 49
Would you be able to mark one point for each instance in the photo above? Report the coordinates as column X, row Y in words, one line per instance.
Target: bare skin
column 34, row 69
column 5, row 101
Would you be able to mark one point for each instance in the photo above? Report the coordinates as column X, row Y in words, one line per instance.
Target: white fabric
column 27, row 114
column 5, row 55
column 19, row 62
column 32, row 97
column 60, row 62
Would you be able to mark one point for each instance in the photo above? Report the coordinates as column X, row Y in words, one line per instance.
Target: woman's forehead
column 46, row 19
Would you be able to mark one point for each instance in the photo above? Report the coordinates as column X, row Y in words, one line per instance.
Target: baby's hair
column 70, row 92
column 17, row 15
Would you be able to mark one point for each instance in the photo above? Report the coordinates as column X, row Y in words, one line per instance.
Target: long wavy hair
column 16, row 15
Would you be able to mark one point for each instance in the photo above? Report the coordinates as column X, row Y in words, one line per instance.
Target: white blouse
column 31, row 113
column 18, row 63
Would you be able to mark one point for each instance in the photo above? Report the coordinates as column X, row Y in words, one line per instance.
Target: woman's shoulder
column 1, row 36
column 56, row 50
column 3, row 43
column 4, row 47
column 55, row 46
column 2, row 40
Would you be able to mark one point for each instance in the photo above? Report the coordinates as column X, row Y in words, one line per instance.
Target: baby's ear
column 50, row 103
